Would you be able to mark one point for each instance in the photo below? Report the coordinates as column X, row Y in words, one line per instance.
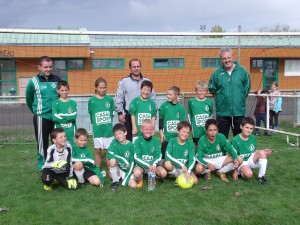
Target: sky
column 150, row 15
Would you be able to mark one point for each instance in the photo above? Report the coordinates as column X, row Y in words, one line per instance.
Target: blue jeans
column 260, row 118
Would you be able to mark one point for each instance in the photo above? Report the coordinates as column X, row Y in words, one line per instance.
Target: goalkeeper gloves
column 72, row 183
column 60, row 165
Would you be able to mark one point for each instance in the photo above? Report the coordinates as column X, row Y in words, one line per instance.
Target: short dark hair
column 184, row 124
column 175, row 89
column 119, row 127
column 63, row 83
column 211, row 122
column 44, row 58
column 56, row 131
column 147, row 83
column 81, row 132
column 248, row 120
column 134, row 60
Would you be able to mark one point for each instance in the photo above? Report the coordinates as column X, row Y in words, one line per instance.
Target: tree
column 217, row 29
column 278, row 28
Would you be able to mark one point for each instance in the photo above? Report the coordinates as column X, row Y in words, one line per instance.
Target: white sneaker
column 103, row 173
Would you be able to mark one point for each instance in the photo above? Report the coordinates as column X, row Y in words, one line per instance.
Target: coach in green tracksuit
column 230, row 84
column 40, row 93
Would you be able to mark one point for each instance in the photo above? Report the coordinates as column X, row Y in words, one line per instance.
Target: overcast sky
column 149, row 15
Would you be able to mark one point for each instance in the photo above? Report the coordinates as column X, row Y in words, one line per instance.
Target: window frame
column 107, row 66
column 169, row 66
column 217, row 62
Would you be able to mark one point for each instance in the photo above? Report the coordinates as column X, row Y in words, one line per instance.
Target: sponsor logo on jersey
column 184, row 161
column 200, row 119
column 172, row 126
column 66, row 125
column 142, row 117
column 103, row 117
column 147, row 158
column 211, row 156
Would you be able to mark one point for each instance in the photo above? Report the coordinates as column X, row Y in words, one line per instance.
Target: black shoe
column 268, row 134
column 263, row 180
column 80, row 185
column 114, row 185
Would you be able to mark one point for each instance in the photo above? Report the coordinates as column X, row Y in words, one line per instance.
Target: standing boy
column 200, row 109
column 58, row 162
column 245, row 144
column 64, row 111
column 180, row 154
column 120, row 155
column 40, row 93
column 171, row 112
column 83, row 161
column 142, row 108
column 147, row 154
column 216, row 153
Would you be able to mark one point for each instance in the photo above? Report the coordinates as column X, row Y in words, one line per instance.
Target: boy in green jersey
column 180, row 153
column 216, row 153
column 120, row 155
column 245, row 145
column 200, row 109
column 147, row 154
column 83, row 161
column 142, row 108
column 171, row 112
column 64, row 111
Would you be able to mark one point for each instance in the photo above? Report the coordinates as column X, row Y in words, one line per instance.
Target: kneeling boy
column 120, row 155
column 245, row 144
column 147, row 154
column 58, row 162
column 83, row 161
column 211, row 153
column 180, row 153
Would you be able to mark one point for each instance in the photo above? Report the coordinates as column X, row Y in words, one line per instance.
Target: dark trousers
column 258, row 119
column 163, row 149
column 42, row 130
column 225, row 122
column 273, row 116
column 48, row 177
column 128, row 126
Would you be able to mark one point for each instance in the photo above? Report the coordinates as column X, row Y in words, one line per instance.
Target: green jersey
column 142, row 109
column 101, row 114
column 64, row 116
column 147, row 152
column 198, row 112
column 208, row 150
column 123, row 153
column 181, row 155
column 244, row 148
column 171, row 114
column 85, row 156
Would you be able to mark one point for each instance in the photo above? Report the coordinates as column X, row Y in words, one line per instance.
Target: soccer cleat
column 257, row 133
column 139, row 183
column 47, row 187
column 114, row 185
column 80, row 185
column 207, row 176
column 172, row 174
column 263, row 180
column 176, row 182
column 103, row 173
column 223, row 177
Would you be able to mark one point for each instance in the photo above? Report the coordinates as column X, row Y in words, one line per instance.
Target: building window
column 75, row 64
column 7, row 77
column 210, row 62
column 60, row 68
column 292, row 67
column 168, row 63
column 108, row 63
column 257, row 63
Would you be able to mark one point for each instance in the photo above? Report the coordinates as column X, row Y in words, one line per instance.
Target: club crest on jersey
column 218, row 147
column 53, row 85
column 177, row 115
column 251, row 147
column 206, row 108
column 127, row 154
column 70, row 110
column 107, row 105
column 152, row 150
column 149, row 107
column 186, row 152
column 82, row 155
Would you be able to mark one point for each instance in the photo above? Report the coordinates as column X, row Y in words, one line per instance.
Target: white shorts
column 250, row 163
column 122, row 174
column 218, row 162
column 103, row 142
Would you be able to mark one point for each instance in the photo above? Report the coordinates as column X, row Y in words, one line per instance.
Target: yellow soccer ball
column 184, row 182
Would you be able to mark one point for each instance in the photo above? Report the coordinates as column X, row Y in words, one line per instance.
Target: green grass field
column 21, row 191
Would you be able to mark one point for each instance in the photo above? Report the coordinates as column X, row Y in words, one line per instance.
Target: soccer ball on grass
column 185, row 182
